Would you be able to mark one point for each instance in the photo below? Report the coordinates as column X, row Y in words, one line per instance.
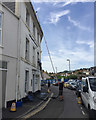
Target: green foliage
column 72, row 77
column 59, row 77
column 79, row 72
column 66, row 71
column 69, row 77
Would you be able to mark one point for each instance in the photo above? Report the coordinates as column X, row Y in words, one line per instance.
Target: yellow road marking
column 38, row 109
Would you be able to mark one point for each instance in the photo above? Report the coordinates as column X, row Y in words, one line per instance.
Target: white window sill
column 1, row 46
column 2, row 69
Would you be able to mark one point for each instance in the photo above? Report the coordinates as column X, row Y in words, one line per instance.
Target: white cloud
column 55, row 17
column 55, row 3
column 62, row 4
column 79, row 58
column 77, row 24
column 89, row 43
column 75, row 1
column 38, row 9
column 67, row 2
column 51, row 1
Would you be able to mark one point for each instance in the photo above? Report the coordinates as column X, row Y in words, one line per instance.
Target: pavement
column 27, row 106
column 49, row 106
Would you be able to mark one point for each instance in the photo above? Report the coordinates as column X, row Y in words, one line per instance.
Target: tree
column 72, row 77
column 79, row 72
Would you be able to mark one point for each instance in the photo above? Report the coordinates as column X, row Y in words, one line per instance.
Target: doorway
column 26, row 81
column 33, row 80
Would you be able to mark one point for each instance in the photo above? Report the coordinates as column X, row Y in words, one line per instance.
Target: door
column 33, row 79
column 86, row 95
column 4, row 74
column 33, row 82
column 26, row 81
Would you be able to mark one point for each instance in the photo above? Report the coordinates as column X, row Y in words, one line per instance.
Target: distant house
column 45, row 76
column 93, row 71
column 86, row 72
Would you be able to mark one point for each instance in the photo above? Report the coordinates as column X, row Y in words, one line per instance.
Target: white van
column 88, row 93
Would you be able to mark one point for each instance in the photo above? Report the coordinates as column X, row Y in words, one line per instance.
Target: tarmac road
column 68, row 108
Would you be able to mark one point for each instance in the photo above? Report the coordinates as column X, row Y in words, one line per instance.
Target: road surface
column 68, row 108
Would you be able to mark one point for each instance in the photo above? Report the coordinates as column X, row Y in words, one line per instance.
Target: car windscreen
column 72, row 83
column 92, row 82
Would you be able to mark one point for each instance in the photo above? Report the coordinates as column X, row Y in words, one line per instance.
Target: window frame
column 38, row 37
column 27, row 49
column 26, row 81
column 38, row 59
column 27, row 18
column 34, row 29
column 34, row 55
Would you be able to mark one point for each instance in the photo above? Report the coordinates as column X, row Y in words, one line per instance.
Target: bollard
column 79, row 100
column 48, row 91
column 13, row 107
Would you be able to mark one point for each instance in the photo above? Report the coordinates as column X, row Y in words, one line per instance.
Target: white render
column 14, row 34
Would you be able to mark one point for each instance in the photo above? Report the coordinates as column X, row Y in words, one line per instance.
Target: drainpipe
column 17, row 54
column 17, row 11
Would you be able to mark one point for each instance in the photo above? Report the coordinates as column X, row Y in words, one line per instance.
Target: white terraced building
column 20, row 51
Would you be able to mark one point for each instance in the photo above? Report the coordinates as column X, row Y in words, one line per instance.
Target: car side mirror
column 85, row 89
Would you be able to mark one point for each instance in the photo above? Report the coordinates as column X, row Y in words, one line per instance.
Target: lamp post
column 56, row 70
column 69, row 63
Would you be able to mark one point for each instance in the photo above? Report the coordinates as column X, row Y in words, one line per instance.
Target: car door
column 86, row 94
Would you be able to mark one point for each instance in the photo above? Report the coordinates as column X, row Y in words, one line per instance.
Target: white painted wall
column 11, row 78
column 10, row 33
column 9, row 50
column 14, row 31
column 0, row 89
column 23, row 63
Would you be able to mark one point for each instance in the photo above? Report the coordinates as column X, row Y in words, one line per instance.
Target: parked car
column 78, row 89
column 66, row 84
column 72, row 85
column 71, row 80
column 88, row 94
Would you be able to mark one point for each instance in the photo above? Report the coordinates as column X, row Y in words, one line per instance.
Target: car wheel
column 91, row 114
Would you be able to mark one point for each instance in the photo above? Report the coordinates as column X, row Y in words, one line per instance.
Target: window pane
column 27, row 50
column 33, row 29
column 3, row 64
column 27, row 18
column 0, row 19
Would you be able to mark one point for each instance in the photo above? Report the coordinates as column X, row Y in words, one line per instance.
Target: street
column 68, row 108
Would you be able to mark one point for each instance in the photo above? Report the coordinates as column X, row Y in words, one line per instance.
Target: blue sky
column 69, row 31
